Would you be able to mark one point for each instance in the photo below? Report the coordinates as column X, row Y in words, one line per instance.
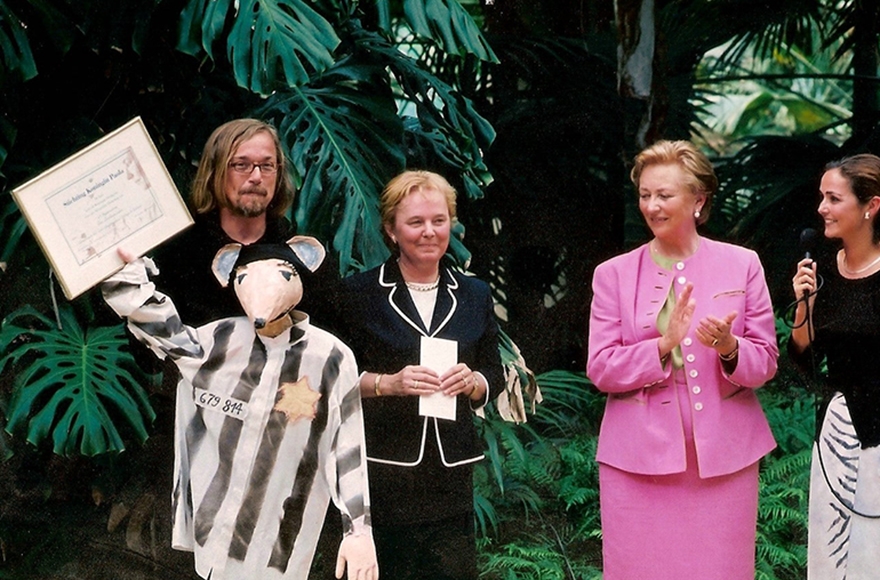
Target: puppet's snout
column 265, row 279
column 267, row 290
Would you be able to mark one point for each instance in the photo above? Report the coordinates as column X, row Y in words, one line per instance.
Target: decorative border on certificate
column 115, row 192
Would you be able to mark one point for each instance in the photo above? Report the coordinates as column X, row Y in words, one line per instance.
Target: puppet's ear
column 224, row 262
column 309, row 250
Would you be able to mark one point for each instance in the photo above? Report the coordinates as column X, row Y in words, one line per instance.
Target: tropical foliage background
column 532, row 109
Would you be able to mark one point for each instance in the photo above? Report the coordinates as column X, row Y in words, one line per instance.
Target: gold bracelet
column 376, row 385
column 731, row 355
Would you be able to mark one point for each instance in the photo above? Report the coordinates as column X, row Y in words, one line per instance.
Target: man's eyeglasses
column 247, row 167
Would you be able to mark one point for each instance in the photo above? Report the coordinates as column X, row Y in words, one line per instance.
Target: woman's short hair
column 863, row 173
column 700, row 175
column 209, row 186
column 411, row 181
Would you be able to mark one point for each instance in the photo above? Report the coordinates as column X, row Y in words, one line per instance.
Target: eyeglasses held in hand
column 247, row 167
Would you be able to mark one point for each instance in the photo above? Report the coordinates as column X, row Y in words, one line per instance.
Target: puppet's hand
column 125, row 255
column 359, row 553
column 130, row 288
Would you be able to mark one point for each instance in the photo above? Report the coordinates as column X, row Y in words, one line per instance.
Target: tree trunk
column 865, row 60
column 638, row 75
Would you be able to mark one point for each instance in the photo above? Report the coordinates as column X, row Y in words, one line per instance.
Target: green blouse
column 665, row 312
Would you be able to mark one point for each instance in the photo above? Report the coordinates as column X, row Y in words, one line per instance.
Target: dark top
column 419, row 467
column 185, row 275
column 846, row 320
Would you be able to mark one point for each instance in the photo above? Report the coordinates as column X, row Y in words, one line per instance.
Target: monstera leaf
column 15, row 50
column 446, row 122
column 72, row 384
column 345, row 141
column 448, row 23
column 12, row 228
column 272, row 44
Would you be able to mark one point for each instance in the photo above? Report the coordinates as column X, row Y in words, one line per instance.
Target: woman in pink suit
column 681, row 334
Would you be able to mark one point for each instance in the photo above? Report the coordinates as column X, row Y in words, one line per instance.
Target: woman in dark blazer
column 421, row 467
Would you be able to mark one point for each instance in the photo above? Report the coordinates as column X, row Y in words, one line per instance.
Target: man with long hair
column 241, row 194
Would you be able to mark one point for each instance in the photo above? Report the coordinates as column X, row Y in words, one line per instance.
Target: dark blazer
column 383, row 328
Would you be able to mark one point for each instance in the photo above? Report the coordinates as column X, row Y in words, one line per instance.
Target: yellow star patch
column 298, row 400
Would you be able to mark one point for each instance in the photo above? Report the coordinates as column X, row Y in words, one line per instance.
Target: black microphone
column 809, row 238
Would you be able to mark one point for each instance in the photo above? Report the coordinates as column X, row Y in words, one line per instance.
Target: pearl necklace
column 860, row 270
column 420, row 287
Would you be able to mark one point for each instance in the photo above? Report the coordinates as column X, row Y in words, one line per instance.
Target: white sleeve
column 152, row 317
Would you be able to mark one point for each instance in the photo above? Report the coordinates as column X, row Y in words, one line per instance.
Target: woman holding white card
column 410, row 309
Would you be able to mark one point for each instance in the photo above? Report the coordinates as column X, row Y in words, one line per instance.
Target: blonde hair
column 209, row 186
column 412, row 181
column 699, row 174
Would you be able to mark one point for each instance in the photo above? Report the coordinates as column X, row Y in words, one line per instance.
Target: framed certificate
column 115, row 192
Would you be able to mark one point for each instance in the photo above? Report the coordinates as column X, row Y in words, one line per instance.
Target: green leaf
column 73, row 385
column 10, row 241
column 383, row 11
column 448, row 24
column 58, row 28
column 446, row 122
column 15, row 48
column 271, row 43
column 344, row 140
column 457, row 251
column 8, row 134
column 12, row 226
column 201, row 24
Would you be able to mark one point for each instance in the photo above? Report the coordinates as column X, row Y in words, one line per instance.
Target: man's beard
column 252, row 207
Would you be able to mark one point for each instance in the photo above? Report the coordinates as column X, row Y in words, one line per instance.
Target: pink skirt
column 677, row 527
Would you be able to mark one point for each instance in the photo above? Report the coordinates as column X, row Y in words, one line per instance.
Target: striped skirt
column 844, row 520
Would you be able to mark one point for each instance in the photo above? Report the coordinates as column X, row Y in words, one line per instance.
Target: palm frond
column 572, row 403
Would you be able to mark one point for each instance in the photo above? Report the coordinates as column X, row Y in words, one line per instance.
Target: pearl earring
column 697, row 214
column 867, row 215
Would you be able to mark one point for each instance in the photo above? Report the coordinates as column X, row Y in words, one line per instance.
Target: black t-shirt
column 846, row 320
column 185, row 275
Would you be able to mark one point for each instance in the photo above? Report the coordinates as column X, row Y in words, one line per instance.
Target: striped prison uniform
column 258, row 454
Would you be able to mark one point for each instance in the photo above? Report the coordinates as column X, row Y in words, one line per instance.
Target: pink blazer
column 641, row 431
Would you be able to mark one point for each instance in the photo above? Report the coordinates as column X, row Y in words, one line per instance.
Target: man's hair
column 208, row 191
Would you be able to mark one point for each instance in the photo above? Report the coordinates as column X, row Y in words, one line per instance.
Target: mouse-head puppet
column 266, row 278
column 241, row 403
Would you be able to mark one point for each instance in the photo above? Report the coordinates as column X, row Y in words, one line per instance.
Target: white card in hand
column 438, row 354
